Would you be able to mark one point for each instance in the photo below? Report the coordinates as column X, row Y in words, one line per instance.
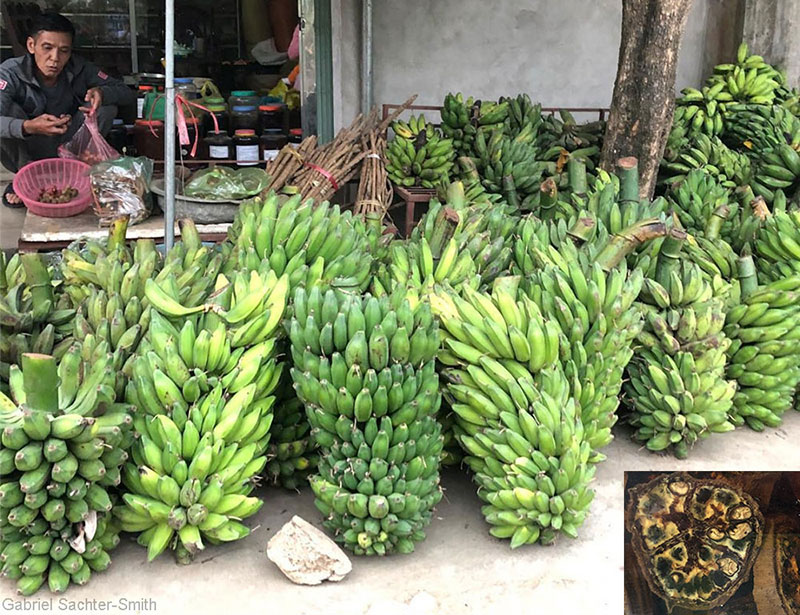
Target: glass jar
column 184, row 86
column 149, row 144
column 141, row 94
column 243, row 118
column 246, row 98
column 218, row 146
column 295, row 137
column 271, row 143
column 118, row 136
column 245, row 145
column 272, row 117
column 221, row 113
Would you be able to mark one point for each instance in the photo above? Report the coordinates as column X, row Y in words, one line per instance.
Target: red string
column 327, row 175
column 183, row 132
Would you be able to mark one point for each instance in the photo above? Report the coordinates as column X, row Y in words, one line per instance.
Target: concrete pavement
column 465, row 569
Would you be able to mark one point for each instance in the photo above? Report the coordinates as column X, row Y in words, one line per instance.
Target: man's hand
column 94, row 96
column 46, row 124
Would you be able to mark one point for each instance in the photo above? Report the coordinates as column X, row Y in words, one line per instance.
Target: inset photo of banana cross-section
column 716, row 543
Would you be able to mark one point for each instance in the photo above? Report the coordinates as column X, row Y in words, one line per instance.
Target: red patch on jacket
column 102, row 75
column 3, row 84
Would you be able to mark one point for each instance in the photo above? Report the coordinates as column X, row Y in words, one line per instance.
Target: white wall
column 561, row 52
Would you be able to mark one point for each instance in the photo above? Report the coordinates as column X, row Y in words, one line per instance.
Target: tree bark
column 644, row 91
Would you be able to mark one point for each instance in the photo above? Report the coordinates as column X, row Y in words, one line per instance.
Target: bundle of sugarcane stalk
column 287, row 163
column 330, row 166
column 318, row 171
column 374, row 190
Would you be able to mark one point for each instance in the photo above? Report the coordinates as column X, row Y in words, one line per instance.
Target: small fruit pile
column 54, row 194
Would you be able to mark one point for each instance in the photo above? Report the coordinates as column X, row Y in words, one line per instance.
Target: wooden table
column 409, row 197
column 39, row 233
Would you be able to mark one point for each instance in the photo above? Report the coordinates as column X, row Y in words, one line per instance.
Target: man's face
column 51, row 51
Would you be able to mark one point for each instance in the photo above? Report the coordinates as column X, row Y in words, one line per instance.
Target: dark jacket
column 20, row 91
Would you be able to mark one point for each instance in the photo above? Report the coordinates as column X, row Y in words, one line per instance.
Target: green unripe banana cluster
column 364, row 368
column 515, row 418
column 764, row 357
column 683, row 154
column 677, row 386
column 204, row 380
column 460, row 242
column 418, row 155
column 292, row 454
column 33, row 317
column 596, row 310
column 577, row 276
column 777, row 246
column 310, row 242
column 762, row 127
column 61, row 449
column 463, row 119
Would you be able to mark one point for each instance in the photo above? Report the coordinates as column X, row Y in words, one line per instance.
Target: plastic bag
column 87, row 144
column 120, row 188
column 220, row 183
column 209, row 90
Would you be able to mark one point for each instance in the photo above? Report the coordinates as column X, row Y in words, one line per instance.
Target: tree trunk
column 644, row 91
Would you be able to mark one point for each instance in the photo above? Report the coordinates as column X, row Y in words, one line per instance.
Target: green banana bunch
column 291, row 453
column 612, row 202
column 105, row 318
column 777, row 169
column 562, row 134
column 710, row 252
column 703, row 111
column 696, row 198
column 34, row 315
column 463, row 120
column 463, row 242
column 509, row 166
column 456, row 116
column 192, row 474
column 729, row 167
column 364, row 368
column 523, row 115
column 777, row 246
column 310, row 243
column 600, row 320
column 587, row 288
column 750, row 79
column 515, row 418
column 761, row 127
column 764, row 357
column 204, row 378
column 676, row 384
column 104, row 264
column 63, row 441
column 418, row 155
column 458, row 242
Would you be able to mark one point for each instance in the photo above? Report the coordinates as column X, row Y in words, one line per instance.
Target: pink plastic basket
column 60, row 172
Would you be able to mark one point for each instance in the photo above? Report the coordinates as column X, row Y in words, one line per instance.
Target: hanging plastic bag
column 209, row 90
column 87, row 144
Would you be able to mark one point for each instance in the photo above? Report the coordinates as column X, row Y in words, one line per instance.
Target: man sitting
column 41, row 95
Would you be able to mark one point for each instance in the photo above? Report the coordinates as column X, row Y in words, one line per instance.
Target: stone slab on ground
column 306, row 555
